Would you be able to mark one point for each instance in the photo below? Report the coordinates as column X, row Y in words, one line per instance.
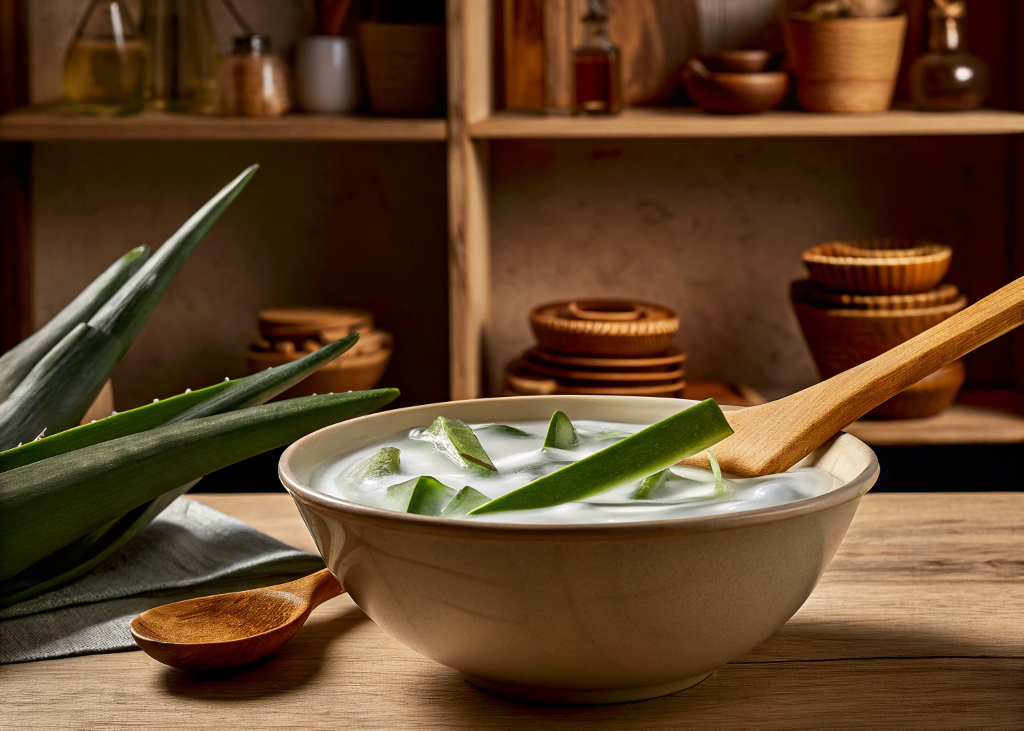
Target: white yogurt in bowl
column 688, row 492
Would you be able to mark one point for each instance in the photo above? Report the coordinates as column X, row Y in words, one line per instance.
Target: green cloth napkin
column 189, row 550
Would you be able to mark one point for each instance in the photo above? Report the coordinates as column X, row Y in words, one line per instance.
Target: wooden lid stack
column 866, row 297
column 288, row 333
column 609, row 347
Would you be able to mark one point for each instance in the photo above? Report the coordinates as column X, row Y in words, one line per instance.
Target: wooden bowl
column 313, row 323
column 347, row 372
column 878, row 267
column 672, row 356
column 594, row 376
column 616, row 328
column 739, row 62
column 736, row 93
column 927, row 397
column 840, row 339
column 941, row 295
column 520, row 383
column 846, row 64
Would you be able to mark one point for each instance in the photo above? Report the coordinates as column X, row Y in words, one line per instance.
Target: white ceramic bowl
column 575, row 613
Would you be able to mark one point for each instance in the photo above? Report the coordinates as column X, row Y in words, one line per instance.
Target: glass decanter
column 597, row 76
column 105, row 67
column 947, row 77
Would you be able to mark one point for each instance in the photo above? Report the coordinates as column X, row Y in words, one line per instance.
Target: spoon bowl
column 230, row 629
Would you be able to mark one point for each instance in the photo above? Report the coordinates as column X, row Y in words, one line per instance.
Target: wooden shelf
column 959, row 424
column 44, row 124
column 688, row 122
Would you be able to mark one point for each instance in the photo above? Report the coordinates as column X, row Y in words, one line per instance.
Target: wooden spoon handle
column 846, row 397
column 315, row 588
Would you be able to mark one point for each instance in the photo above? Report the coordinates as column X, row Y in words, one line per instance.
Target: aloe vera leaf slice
column 655, row 448
column 721, row 486
column 651, row 485
column 215, row 399
column 607, row 434
column 560, row 434
column 49, row 504
column 57, row 392
column 421, row 495
column 456, row 441
column 17, row 362
column 385, row 462
column 503, row 429
column 466, row 500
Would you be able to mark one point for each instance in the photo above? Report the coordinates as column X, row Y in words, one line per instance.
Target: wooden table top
column 918, row 623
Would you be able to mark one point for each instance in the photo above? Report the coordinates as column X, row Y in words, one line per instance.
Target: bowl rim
column 366, row 515
column 948, row 309
column 935, row 253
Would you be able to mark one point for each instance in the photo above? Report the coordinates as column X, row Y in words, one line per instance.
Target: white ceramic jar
column 327, row 74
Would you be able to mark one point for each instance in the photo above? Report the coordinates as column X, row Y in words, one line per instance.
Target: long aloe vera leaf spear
column 16, row 363
column 59, row 388
column 49, row 504
column 225, row 396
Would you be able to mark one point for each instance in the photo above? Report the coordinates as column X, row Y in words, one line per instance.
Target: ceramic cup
column 599, row 613
column 327, row 74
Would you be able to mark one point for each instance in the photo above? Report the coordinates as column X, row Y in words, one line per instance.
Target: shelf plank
column 688, row 122
column 959, row 424
column 45, row 124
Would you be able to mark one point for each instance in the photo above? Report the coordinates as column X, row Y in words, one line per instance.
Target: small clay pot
column 734, row 93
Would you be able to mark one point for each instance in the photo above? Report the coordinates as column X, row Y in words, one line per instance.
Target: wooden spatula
column 773, row 437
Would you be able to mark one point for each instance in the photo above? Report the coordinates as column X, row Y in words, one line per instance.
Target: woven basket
column 574, row 327
column 847, row 64
column 880, row 266
column 840, row 339
column 405, row 67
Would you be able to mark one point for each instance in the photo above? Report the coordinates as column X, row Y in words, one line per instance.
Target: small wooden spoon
column 773, row 437
column 231, row 629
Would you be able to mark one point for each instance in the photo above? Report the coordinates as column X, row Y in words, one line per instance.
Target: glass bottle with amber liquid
column 105, row 67
column 597, row 76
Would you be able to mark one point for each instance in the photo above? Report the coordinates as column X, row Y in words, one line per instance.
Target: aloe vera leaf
column 263, row 386
column 82, row 556
column 47, row 505
column 456, row 441
column 16, row 363
column 57, row 392
column 721, row 487
column 561, row 434
column 466, row 500
column 215, row 399
column 503, row 429
column 117, row 425
column 385, row 462
column 655, row 448
column 651, row 485
column 611, row 434
column 421, row 495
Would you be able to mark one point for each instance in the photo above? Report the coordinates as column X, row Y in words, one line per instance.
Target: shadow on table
column 289, row 668
column 902, row 680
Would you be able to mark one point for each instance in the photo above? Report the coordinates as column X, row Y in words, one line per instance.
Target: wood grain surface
column 916, row 625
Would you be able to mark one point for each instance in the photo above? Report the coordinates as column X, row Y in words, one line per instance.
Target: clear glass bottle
column 597, row 75
column 947, row 78
column 105, row 67
column 183, row 67
column 252, row 81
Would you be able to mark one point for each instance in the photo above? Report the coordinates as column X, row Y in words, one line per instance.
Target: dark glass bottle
column 597, row 77
column 947, row 78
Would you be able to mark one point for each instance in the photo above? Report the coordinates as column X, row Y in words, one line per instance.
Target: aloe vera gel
column 560, row 471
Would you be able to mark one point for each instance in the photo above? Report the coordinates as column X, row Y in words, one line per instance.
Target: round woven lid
column 604, row 327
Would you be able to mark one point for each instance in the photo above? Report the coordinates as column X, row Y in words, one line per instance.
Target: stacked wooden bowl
column 288, row 333
column 866, row 297
column 609, row 347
